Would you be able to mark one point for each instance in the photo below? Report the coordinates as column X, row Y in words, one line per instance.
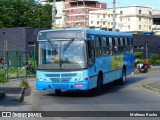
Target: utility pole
column 114, row 15
column 5, row 46
column 53, row 13
column 147, row 51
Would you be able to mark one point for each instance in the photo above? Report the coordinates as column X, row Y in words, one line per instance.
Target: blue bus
column 82, row 59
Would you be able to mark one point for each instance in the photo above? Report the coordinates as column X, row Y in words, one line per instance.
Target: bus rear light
column 79, row 85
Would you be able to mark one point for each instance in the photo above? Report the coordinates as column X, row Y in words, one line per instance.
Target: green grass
column 3, row 78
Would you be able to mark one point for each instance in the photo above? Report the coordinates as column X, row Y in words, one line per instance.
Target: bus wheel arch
column 98, row 89
column 122, row 80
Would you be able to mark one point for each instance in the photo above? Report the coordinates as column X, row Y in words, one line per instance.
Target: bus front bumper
column 41, row 85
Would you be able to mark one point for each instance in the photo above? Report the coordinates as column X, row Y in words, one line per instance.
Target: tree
column 25, row 13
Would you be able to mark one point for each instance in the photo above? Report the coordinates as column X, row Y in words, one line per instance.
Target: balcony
column 136, row 15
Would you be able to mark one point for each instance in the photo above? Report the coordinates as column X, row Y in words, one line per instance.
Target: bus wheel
column 122, row 80
column 57, row 91
column 98, row 89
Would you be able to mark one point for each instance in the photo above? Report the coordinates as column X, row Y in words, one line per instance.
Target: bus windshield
column 69, row 54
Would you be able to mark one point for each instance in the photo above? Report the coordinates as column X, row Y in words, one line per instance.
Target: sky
column 125, row 3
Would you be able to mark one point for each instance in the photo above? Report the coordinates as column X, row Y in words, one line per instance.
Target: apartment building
column 60, row 16
column 135, row 19
column 77, row 12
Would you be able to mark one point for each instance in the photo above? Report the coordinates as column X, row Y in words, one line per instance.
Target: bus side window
column 113, row 48
column 98, row 46
column 105, row 46
column 90, row 45
column 110, row 45
column 116, row 46
column 121, row 48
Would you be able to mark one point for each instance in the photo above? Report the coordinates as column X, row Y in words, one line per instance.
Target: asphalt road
column 113, row 98
column 131, row 97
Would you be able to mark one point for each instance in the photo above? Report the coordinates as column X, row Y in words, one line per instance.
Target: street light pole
column 4, row 36
column 114, row 15
column 147, row 51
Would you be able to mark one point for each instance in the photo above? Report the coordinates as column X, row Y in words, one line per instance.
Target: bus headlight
column 79, row 79
column 40, row 79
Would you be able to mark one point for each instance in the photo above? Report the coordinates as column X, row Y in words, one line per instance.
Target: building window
column 128, row 26
column 91, row 22
column 140, row 11
column 97, row 22
column 104, row 15
column 80, row 16
column 86, row 10
column 79, row 23
column 103, row 23
column 121, row 12
column 150, row 13
column 139, row 18
column 128, row 19
column 139, row 26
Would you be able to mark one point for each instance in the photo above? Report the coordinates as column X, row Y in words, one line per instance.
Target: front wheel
column 57, row 91
column 98, row 89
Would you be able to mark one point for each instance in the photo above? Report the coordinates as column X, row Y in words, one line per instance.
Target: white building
column 135, row 19
column 60, row 16
column 156, row 22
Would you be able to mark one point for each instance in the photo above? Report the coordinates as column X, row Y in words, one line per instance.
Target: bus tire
column 57, row 91
column 98, row 89
column 122, row 80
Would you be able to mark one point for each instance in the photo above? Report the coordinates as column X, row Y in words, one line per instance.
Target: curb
column 2, row 94
column 148, row 87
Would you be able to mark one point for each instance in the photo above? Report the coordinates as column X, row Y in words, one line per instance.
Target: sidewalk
column 12, row 88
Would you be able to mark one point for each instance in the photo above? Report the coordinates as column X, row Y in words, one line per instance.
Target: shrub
column 138, row 54
column 157, row 62
column 153, row 58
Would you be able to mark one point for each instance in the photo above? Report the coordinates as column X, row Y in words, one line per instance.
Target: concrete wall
column 18, row 38
column 140, row 44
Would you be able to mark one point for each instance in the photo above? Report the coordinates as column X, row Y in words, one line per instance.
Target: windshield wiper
column 68, row 44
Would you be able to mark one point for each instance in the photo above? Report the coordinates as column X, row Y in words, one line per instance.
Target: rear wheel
column 57, row 91
column 122, row 80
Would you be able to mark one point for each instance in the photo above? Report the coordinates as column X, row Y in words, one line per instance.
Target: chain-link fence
column 17, row 64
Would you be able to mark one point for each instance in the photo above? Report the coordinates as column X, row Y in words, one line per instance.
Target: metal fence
column 17, row 64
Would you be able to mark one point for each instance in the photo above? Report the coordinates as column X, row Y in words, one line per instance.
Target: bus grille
column 60, row 80
column 52, row 75
column 64, row 77
column 60, row 86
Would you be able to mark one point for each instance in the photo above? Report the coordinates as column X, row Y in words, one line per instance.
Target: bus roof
column 94, row 32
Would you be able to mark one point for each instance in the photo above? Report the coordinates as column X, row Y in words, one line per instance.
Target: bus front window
column 55, row 55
